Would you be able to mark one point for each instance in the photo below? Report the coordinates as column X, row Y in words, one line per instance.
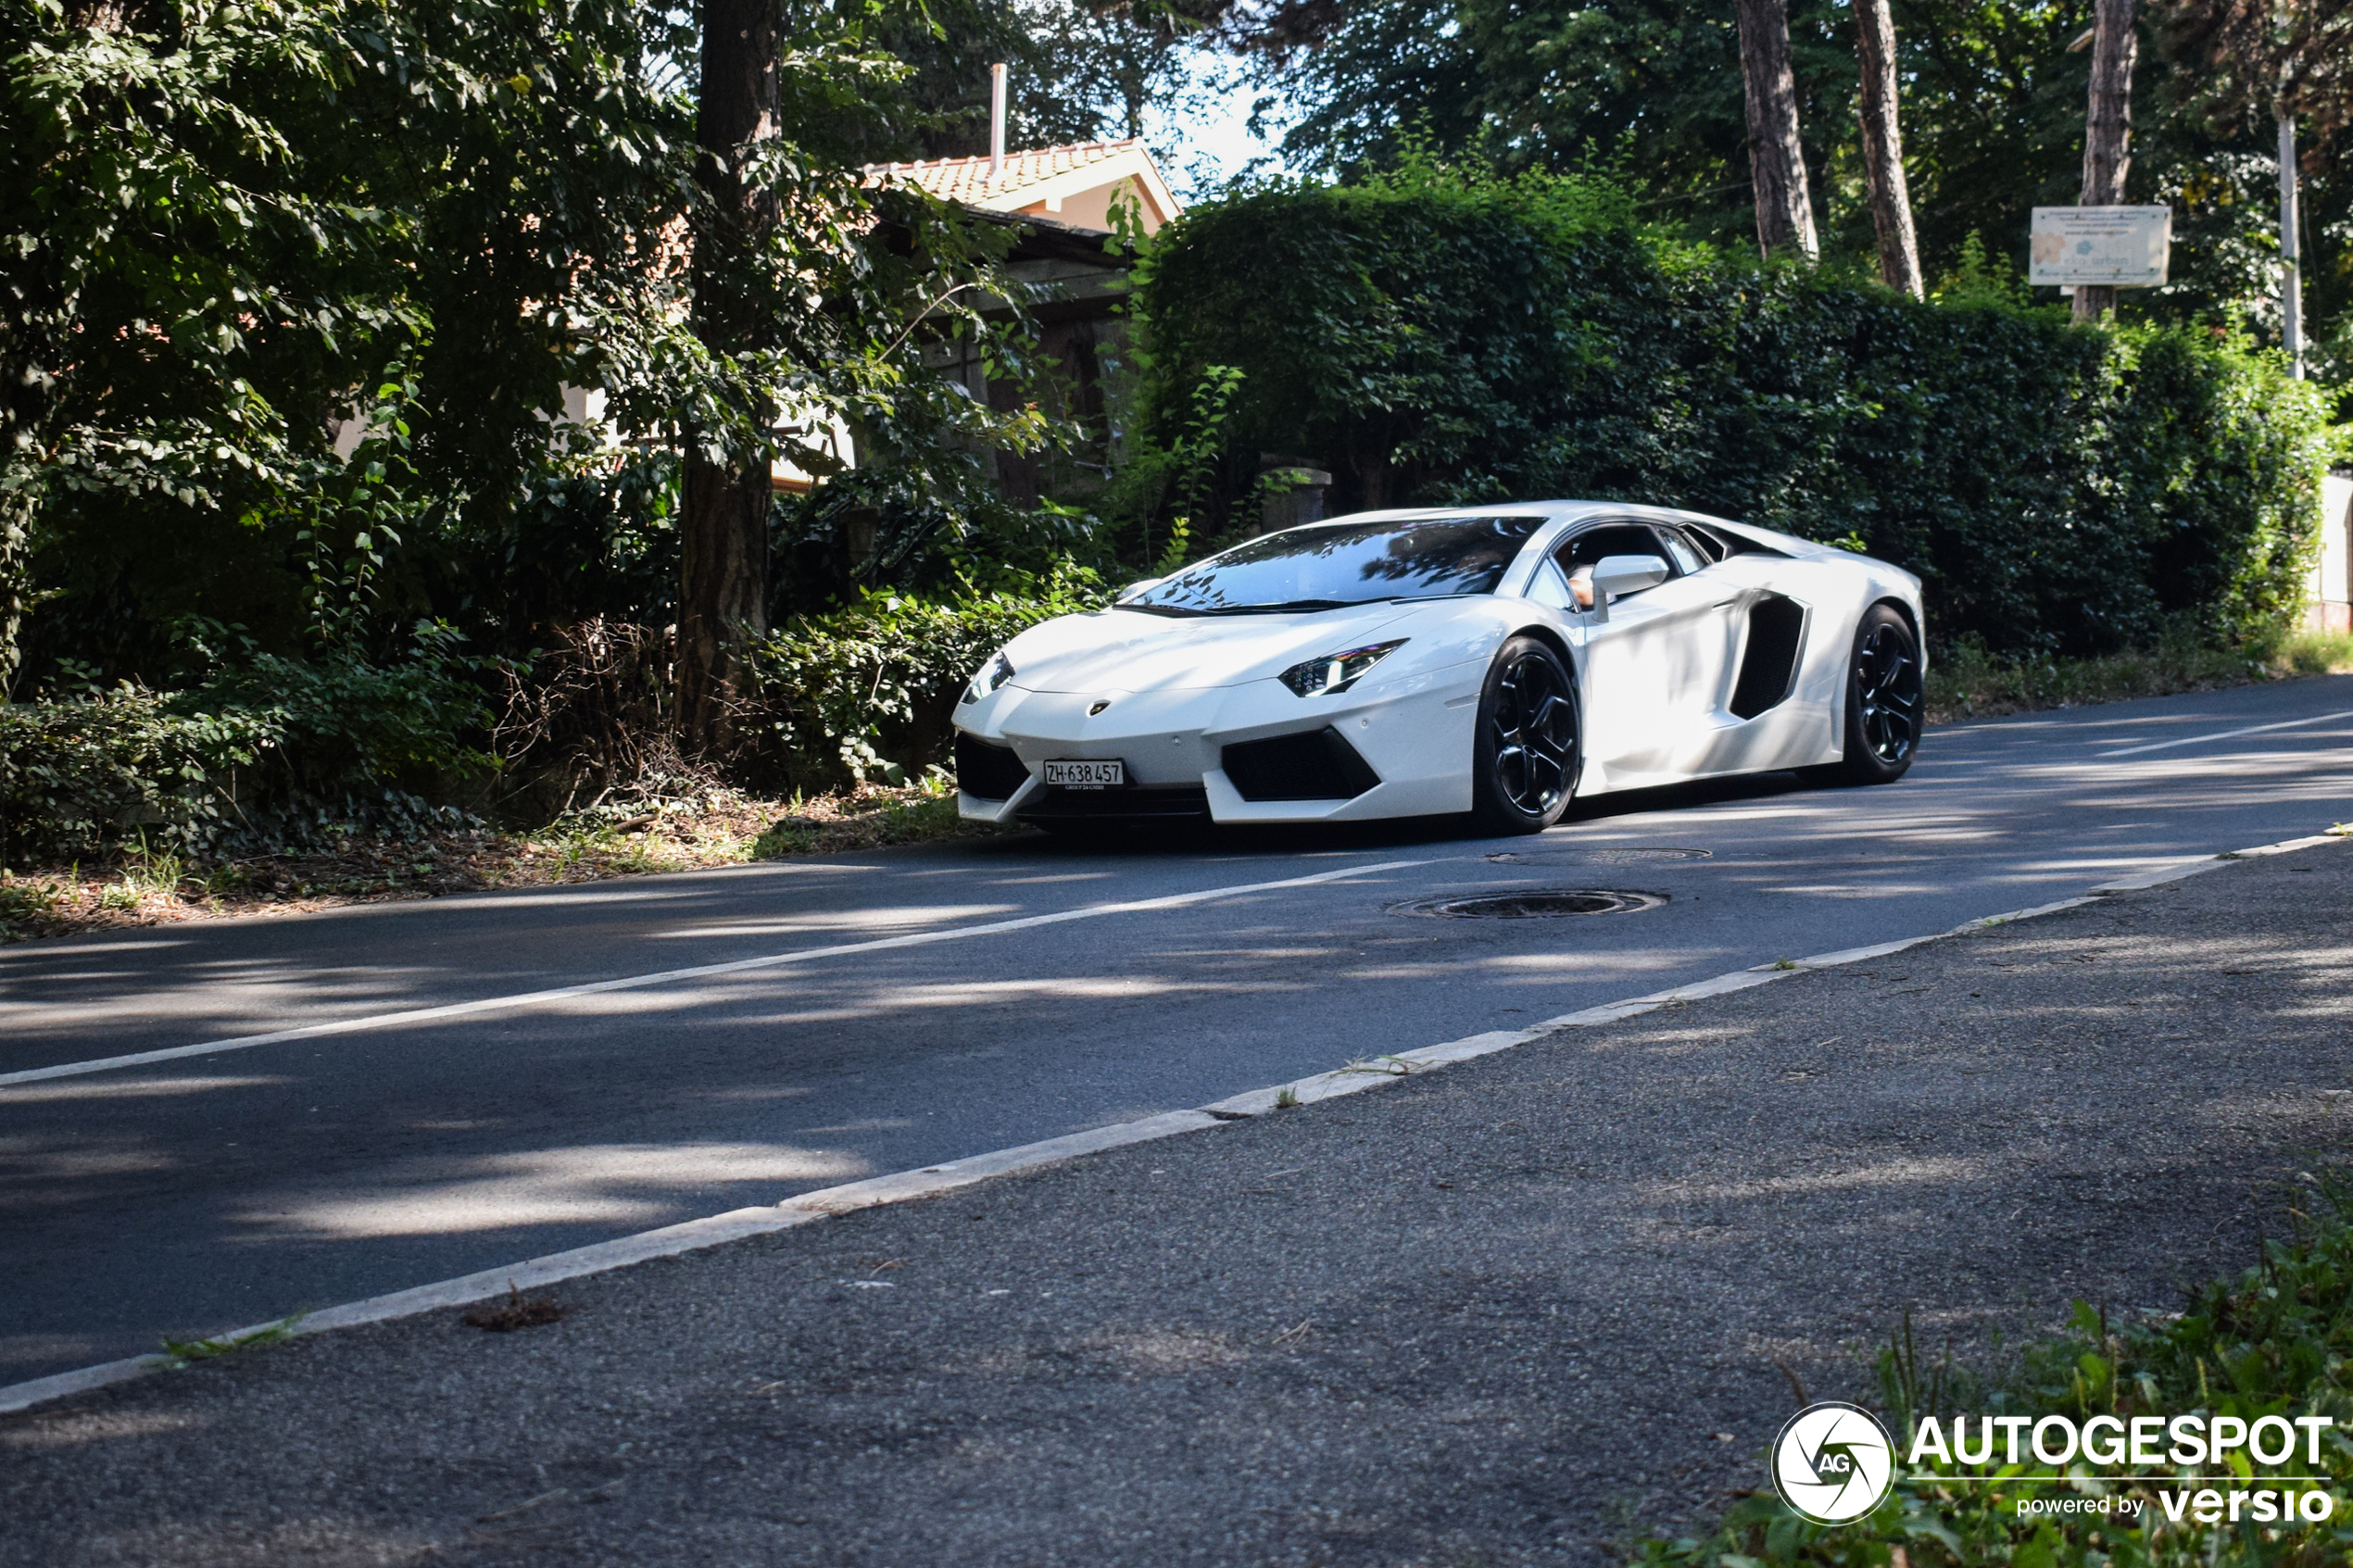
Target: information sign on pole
column 2123, row 247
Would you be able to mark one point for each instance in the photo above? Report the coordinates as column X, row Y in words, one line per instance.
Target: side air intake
column 1315, row 765
column 1768, row 668
column 986, row 772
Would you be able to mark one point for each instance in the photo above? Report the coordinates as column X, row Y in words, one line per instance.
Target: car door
column 1655, row 666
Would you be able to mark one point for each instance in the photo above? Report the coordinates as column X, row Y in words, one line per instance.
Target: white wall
column 2328, row 590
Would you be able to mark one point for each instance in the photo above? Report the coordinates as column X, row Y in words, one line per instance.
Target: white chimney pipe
column 996, row 123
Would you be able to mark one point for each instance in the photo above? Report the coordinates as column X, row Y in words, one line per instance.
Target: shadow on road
column 1165, row 837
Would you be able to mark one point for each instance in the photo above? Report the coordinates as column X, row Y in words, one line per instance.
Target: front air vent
column 1769, row 666
column 1137, row 803
column 1314, row 765
column 986, row 771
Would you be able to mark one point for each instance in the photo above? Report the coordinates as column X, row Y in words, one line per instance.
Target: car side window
column 1551, row 588
column 1678, row 549
column 1587, row 550
column 1707, row 542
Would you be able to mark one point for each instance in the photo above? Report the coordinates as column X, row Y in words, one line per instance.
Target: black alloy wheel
column 1524, row 762
column 1884, row 703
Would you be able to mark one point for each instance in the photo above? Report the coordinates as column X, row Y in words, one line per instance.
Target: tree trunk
column 2107, row 129
column 2291, row 260
column 1899, row 251
column 722, row 525
column 16, row 539
column 1776, row 158
column 722, row 593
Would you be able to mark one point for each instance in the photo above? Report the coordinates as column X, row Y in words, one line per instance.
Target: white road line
column 667, row 976
column 903, row 1187
column 2224, row 735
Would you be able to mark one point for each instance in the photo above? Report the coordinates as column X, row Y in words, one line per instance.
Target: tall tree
column 443, row 215
column 2292, row 59
column 2107, row 129
column 722, row 534
column 1899, row 250
column 1776, row 155
column 229, row 224
column 1077, row 71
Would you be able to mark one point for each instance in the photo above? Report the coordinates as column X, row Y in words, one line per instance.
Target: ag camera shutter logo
column 1833, row 1462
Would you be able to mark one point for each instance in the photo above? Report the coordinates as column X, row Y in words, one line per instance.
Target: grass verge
column 1968, row 683
column 915, row 821
column 2274, row 1342
column 141, row 884
column 187, row 1352
column 145, row 885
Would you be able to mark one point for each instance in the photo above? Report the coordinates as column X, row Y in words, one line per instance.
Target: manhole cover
column 1535, row 904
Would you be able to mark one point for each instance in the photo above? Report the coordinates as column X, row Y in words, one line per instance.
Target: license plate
column 1087, row 775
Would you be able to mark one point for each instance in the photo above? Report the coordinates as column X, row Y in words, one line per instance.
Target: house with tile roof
column 1073, row 186
column 1062, row 200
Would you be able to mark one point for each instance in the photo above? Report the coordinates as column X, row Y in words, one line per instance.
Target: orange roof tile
column 966, row 179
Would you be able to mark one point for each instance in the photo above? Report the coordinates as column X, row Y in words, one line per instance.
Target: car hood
column 1126, row 651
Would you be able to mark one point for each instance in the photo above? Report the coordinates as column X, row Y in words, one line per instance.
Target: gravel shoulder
column 1511, row 1311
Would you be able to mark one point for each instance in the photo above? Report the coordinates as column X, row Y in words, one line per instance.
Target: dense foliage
column 350, row 361
column 245, row 235
column 312, row 307
column 1992, row 122
column 270, row 750
column 868, row 688
column 77, row 773
column 1436, row 339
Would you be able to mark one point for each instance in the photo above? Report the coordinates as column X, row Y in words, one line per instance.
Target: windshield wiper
column 1286, row 604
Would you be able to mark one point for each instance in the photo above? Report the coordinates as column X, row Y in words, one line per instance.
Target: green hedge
column 77, row 773
column 267, row 750
column 1445, row 340
column 870, row 687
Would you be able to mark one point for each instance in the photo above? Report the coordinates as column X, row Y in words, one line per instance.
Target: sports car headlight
column 1338, row 672
column 996, row 673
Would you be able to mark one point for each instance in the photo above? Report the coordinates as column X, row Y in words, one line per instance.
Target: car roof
column 1554, row 510
column 1573, row 511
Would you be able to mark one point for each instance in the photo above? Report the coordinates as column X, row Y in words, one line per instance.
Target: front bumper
column 1413, row 737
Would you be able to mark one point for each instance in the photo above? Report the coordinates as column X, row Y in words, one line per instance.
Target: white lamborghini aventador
column 1499, row 661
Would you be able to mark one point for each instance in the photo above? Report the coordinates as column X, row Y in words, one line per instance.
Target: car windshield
column 1326, row 566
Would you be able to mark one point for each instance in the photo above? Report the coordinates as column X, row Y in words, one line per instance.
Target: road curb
column 931, row 1181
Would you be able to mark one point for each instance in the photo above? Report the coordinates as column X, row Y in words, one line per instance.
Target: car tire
column 1884, row 703
column 1524, row 753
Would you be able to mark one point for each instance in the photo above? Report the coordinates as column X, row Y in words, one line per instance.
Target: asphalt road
column 1509, row 1313
column 222, row 1189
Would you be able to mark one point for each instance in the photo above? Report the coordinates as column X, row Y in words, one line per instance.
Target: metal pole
column 2291, row 279
column 996, row 123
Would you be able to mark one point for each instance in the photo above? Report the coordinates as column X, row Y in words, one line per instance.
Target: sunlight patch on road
column 78, row 1428
column 1058, row 876
column 980, row 993
column 888, row 919
column 1891, row 1172
column 129, row 1088
column 596, row 1184
column 1550, row 965
column 45, row 1161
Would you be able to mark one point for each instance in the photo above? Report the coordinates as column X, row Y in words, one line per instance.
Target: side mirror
column 1617, row 575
